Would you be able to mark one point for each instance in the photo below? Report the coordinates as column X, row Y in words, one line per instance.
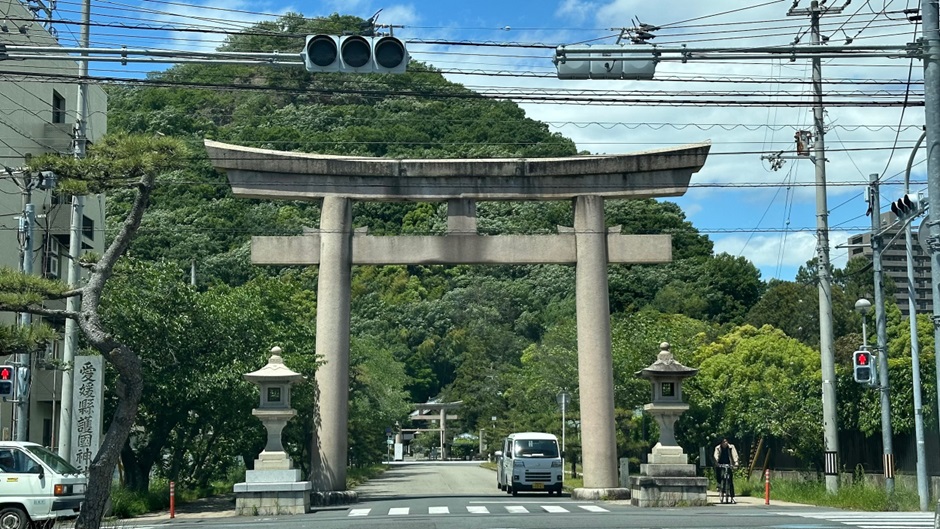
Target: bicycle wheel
column 723, row 489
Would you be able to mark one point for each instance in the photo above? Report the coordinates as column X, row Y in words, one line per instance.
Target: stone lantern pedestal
column 274, row 486
column 668, row 480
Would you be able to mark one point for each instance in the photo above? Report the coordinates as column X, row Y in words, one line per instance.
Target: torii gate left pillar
column 260, row 173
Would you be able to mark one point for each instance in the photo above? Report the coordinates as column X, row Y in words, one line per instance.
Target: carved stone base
column 663, row 491
column 268, row 499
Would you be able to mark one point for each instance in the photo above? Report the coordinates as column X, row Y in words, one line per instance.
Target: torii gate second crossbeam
column 590, row 246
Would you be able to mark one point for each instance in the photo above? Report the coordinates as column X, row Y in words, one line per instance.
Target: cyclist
column 726, row 454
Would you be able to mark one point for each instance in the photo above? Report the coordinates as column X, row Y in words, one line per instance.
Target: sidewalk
column 202, row 509
column 748, row 501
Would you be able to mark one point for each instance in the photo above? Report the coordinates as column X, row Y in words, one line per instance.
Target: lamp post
column 862, row 306
column 563, row 399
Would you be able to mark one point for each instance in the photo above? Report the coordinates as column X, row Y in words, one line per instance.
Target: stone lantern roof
column 274, row 371
column 666, row 365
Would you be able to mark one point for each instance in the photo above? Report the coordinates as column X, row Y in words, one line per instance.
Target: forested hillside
column 501, row 339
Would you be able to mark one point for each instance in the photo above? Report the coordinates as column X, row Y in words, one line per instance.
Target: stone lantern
column 668, row 479
column 274, row 486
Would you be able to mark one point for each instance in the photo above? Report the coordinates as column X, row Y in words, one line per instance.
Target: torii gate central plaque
column 335, row 247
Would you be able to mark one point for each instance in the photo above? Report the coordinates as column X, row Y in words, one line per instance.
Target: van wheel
column 515, row 492
column 13, row 518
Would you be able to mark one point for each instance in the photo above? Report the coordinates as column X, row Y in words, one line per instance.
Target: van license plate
column 538, row 486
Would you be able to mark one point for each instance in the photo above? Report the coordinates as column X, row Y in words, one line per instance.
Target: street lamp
column 862, row 306
column 563, row 398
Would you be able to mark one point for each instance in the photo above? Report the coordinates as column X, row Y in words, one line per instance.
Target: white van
column 36, row 485
column 530, row 461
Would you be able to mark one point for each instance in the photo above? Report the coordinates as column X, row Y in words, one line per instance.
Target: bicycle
column 724, row 484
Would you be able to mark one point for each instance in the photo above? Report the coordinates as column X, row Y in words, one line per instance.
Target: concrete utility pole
column 931, row 23
column 21, row 383
column 881, row 330
column 75, row 249
column 826, row 340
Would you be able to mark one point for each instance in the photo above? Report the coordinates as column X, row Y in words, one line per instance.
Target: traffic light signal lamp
column 354, row 54
column 863, row 367
column 908, row 206
column 6, row 381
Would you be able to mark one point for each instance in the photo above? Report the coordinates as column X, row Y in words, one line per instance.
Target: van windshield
column 535, row 448
column 52, row 460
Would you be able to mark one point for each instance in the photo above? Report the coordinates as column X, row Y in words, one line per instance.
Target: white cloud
column 576, row 11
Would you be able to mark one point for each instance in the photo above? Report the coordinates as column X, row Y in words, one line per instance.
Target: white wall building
column 38, row 100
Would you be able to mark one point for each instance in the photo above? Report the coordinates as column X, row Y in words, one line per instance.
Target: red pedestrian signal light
column 862, row 368
column 6, row 381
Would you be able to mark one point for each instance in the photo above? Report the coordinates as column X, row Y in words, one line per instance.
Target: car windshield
column 52, row 460
column 535, row 448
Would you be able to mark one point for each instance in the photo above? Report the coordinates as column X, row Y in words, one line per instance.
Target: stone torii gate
column 335, row 247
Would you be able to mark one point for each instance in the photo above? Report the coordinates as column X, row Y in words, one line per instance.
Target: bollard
column 172, row 500
column 766, row 486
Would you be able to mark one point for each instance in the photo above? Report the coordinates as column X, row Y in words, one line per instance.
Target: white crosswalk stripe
column 482, row 509
column 872, row 520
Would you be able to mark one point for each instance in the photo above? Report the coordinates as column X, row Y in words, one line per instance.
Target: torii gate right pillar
column 595, row 378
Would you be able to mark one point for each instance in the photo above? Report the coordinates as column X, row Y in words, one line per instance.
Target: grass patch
column 855, row 496
column 359, row 475
column 573, row 483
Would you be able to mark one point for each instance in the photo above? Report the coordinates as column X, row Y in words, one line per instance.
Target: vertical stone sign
column 87, row 400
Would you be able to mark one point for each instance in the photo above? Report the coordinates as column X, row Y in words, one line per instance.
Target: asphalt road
column 440, row 478
column 462, row 495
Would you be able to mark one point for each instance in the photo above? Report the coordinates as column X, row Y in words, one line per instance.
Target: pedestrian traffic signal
column 354, row 54
column 6, row 381
column 908, row 206
column 862, row 368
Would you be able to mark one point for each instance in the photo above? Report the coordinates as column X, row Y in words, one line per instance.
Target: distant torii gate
column 335, row 247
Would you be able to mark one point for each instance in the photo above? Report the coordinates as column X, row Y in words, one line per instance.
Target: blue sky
column 745, row 206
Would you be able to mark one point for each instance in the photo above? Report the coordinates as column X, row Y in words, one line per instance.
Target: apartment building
column 38, row 100
column 894, row 264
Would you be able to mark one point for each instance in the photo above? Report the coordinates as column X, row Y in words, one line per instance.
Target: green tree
column 133, row 161
column 752, row 384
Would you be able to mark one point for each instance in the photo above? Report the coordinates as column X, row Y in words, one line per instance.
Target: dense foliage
column 500, row 339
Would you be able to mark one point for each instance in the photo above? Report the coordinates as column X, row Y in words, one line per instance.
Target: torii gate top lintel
column 263, row 173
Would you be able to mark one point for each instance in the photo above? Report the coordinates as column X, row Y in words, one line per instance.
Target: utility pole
column 931, row 23
column 881, row 330
column 75, row 248
column 21, row 382
column 826, row 340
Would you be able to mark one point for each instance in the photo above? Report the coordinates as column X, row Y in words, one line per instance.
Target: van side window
column 7, row 463
column 14, row 461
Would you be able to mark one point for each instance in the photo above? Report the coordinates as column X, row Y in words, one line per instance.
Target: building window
column 88, row 228
column 58, row 107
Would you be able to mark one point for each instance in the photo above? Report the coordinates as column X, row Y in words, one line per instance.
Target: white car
column 37, row 485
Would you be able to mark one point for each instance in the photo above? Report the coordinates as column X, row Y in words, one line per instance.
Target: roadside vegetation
column 503, row 340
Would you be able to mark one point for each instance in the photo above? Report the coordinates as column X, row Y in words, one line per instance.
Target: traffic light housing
column 863, row 368
column 908, row 206
column 7, row 381
column 354, row 54
column 582, row 61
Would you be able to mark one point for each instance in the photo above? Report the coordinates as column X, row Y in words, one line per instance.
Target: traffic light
column 862, row 368
column 354, row 54
column 908, row 206
column 583, row 61
column 7, row 375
